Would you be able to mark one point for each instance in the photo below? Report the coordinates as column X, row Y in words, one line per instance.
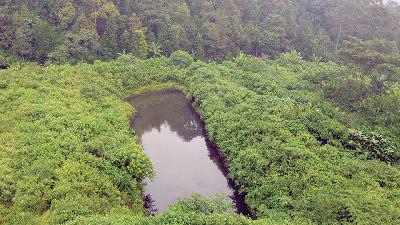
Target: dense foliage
column 287, row 147
column 66, row 148
column 67, row 154
column 72, row 31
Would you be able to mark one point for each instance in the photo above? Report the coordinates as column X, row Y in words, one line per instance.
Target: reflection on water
column 185, row 161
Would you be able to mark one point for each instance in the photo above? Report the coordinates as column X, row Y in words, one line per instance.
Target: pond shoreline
column 239, row 201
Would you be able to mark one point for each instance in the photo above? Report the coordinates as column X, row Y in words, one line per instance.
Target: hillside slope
column 68, row 154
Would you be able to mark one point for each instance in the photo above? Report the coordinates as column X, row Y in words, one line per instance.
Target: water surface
column 185, row 161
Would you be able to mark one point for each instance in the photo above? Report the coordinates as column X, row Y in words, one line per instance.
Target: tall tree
column 140, row 48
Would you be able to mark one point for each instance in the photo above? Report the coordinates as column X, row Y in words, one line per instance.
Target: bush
column 181, row 59
column 126, row 58
column 373, row 145
column 69, row 155
column 205, row 205
column 5, row 60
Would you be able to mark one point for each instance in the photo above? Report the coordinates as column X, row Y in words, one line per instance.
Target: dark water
column 3, row 67
column 186, row 162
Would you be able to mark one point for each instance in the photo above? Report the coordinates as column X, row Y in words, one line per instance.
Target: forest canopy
column 63, row 31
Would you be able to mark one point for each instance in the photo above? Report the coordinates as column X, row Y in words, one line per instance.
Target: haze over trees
column 74, row 31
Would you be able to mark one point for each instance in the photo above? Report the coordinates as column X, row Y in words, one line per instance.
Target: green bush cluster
column 194, row 210
column 181, row 59
column 66, row 147
column 68, row 155
column 374, row 145
column 284, row 146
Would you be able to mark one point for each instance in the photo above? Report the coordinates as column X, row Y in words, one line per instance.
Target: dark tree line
column 84, row 30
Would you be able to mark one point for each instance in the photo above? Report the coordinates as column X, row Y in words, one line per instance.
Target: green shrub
column 181, row 59
column 375, row 146
column 69, row 155
column 213, row 204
